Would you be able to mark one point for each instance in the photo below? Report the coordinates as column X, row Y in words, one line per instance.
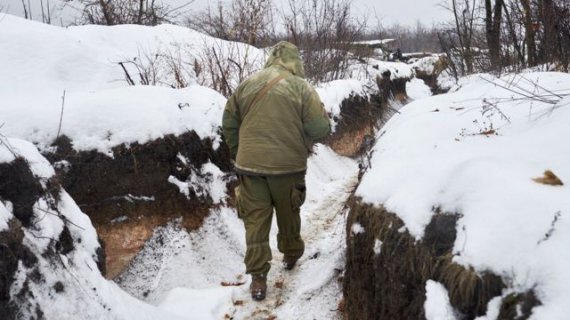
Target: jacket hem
column 256, row 172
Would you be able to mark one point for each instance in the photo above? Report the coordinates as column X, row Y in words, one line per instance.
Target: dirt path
column 204, row 260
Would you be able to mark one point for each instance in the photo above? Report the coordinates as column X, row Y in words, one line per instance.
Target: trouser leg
column 288, row 194
column 256, row 211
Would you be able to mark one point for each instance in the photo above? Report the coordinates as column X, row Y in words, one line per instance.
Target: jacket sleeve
column 230, row 125
column 316, row 123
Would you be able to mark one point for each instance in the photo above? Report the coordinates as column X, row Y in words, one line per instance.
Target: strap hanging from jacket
column 266, row 89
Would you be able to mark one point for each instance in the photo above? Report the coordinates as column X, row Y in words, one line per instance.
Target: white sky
column 405, row 12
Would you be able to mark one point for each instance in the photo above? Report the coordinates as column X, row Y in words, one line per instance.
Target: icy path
column 200, row 275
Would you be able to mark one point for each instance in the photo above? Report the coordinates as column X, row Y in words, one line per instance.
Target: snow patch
column 417, row 89
column 437, row 305
column 357, row 228
column 377, row 246
column 5, row 216
column 208, row 181
column 206, row 303
column 493, row 309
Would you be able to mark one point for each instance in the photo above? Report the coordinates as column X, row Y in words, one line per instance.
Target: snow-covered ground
column 177, row 267
column 475, row 152
column 100, row 110
column 42, row 63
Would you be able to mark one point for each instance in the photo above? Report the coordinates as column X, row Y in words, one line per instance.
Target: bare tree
column 529, row 32
column 514, row 31
column 27, row 9
column 461, row 35
column 493, row 19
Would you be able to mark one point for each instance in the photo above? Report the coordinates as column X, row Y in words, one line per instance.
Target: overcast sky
column 405, row 12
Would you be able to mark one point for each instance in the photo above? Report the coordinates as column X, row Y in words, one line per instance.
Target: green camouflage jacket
column 274, row 135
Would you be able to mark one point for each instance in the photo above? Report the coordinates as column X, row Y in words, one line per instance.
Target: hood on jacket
column 286, row 54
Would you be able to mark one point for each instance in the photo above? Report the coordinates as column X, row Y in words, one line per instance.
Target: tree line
column 482, row 35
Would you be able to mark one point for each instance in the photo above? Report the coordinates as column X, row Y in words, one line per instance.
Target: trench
column 132, row 204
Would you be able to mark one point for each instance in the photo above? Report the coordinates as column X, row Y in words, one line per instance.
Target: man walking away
column 270, row 124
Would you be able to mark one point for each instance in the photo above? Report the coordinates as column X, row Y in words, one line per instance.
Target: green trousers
column 256, row 197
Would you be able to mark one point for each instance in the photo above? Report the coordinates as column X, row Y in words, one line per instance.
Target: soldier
column 270, row 124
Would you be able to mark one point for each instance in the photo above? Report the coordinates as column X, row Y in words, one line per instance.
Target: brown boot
column 258, row 287
column 289, row 261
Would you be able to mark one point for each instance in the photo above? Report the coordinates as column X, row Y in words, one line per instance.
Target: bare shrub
column 324, row 30
column 113, row 12
column 171, row 66
column 248, row 21
column 219, row 65
column 222, row 66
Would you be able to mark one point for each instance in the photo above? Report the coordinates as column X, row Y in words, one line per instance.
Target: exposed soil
column 128, row 196
column 391, row 284
column 11, row 251
column 361, row 116
column 518, row 306
column 22, row 190
column 19, row 186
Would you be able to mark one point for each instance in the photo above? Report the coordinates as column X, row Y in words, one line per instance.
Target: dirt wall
column 128, row 195
column 390, row 284
column 361, row 116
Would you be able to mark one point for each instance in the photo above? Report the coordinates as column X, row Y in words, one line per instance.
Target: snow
column 356, row 228
column 103, row 119
column 375, row 42
column 417, row 89
column 437, row 305
column 207, row 181
column 206, row 303
column 100, row 110
column 334, row 92
column 427, row 64
column 375, row 68
column 5, row 216
column 12, row 148
column 475, row 152
column 493, row 309
column 377, row 246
